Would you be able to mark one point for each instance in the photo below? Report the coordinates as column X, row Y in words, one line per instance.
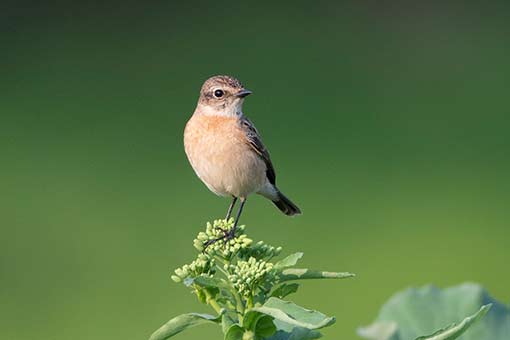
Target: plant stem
column 249, row 302
column 240, row 304
column 212, row 302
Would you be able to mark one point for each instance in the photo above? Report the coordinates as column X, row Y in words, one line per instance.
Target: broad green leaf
column 235, row 332
column 181, row 323
column 292, row 332
column 293, row 314
column 285, row 289
column 297, row 333
column 420, row 311
column 227, row 320
column 262, row 325
column 454, row 331
column 289, row 261
column 265, row 327
column 303, row 274
column 250, row 318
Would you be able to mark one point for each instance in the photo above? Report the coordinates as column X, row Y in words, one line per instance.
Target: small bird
column 226, row 151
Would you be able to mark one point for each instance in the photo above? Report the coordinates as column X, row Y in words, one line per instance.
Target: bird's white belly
column 223, row 160
column 236, row 176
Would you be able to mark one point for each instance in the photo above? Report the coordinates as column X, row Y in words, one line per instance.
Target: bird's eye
column 218, row 93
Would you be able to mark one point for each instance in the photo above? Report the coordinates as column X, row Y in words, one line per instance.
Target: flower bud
column 202, row 236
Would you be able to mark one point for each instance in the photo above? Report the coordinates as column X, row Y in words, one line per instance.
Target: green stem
column 212, row 302
column 240, row 304
column 249, row 302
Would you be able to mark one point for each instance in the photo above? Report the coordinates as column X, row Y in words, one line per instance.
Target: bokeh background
column 388, row 123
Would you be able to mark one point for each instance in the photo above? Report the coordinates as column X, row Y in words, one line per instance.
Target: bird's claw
column 227, row 236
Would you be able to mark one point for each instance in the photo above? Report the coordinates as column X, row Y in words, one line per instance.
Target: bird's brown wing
column 253, row 139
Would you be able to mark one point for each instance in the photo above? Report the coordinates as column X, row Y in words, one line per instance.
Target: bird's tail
column 285, row 205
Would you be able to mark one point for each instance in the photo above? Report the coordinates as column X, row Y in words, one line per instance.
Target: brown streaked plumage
column 225, row 149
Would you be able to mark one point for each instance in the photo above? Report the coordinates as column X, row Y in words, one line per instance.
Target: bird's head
column 222, row 95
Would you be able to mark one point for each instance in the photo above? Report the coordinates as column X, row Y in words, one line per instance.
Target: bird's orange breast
column 218, row 151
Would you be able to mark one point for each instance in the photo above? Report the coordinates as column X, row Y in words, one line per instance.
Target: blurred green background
column 387, row 123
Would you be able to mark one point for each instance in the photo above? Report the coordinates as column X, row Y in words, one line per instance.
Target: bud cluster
column 245, row 264
column 261, row 250
column 215, row 232
column 247, row 275
column 203, row 264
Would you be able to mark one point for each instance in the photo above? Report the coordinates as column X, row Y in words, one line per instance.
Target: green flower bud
column 198, row 245
column 202, row 236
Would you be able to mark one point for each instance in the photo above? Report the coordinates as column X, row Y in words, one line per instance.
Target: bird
column 226, row 151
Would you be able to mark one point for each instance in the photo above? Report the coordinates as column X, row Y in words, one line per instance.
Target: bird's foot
column 227, row 236
column 231, row 234
column 223, row 230
column 211, row 242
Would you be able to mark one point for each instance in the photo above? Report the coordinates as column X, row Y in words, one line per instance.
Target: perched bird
column 225, row 149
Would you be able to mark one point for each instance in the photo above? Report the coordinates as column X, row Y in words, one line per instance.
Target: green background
column 387, row 123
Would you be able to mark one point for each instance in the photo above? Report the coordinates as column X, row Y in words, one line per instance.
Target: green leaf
column 382, row 330
column 303, row 274
column 297, row 333
column 454, row 331
column 181, row 323
column 265, row 327
column 262, row 325
column 205, row 284
column 227, row 320
column 250, row 318
column 285, row 289
column 203, row 292
column 293, row 314
column 289, row 261
column 217, row 289
column 388, row 330
column 235, row 332
column 418, row 311
column 206, row 281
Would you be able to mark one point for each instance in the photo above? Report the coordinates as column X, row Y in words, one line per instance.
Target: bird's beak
column 243, row 93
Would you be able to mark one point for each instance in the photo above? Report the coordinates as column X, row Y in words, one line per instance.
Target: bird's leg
column 230, row 208
column 226, row 233
column 232, row 232
column 229, row 212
